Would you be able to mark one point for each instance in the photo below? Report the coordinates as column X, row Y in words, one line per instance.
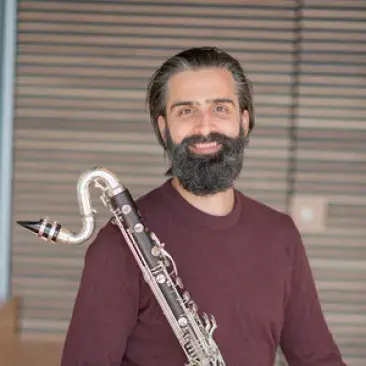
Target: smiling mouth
column 205, row 148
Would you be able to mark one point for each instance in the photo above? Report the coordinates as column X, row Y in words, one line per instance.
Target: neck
column 218, row 204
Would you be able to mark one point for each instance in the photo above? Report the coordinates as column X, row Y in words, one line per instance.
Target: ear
column 245, row 117
column 162, row 126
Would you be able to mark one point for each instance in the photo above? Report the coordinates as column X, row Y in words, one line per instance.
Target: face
column 204, row 130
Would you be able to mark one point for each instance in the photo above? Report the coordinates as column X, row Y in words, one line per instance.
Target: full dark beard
column 208, row 174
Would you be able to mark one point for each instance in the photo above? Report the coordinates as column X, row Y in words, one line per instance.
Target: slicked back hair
column 195, row 59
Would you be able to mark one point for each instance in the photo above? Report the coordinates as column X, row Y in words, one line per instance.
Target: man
column 240, row 260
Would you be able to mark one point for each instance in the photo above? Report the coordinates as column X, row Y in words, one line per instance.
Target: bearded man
column 241, row 260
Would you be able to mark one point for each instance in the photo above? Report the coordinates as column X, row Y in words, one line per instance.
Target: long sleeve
column 106, row 306
column 306, row 339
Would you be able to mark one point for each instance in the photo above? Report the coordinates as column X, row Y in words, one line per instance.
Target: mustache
column 212, row 137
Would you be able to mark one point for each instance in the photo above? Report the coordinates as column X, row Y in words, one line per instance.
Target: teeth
column 206, row 145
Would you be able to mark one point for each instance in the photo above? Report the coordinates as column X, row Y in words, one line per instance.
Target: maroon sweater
column 249, row 269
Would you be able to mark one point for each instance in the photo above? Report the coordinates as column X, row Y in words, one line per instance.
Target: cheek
column 179, row 132
column 231, row 127
column 228, row 128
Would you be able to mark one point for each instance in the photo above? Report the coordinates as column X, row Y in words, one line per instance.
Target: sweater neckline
column 179, row 206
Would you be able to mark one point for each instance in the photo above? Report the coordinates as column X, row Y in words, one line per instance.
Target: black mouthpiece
column 42, row 228
column 32, row 226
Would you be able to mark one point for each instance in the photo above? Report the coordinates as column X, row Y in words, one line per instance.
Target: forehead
column 200, row 85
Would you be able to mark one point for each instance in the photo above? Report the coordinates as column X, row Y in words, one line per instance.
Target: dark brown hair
column 193, row 59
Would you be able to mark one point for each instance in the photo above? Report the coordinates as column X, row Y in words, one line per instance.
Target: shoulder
column 151, row 198
column 272, row 223
column 154, row 206
column 257, row 210
column 108, row 246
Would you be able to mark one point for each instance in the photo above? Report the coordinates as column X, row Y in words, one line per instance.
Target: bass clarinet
column 194, row 333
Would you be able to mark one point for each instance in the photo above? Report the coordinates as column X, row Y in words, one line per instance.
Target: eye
column 220, row 108
column 185, row 112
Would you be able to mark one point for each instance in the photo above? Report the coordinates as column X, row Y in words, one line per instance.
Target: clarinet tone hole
column 160, row 278
column 155, row 251
column 182, row 321
column 126, row 209
column 138, row 228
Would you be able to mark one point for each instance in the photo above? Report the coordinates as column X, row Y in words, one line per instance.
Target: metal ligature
column 194, row 333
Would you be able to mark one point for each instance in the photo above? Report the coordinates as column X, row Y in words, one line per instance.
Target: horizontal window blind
column 82, row 70
column 331, row 163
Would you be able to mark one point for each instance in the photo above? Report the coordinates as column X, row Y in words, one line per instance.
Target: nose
column 205, row 124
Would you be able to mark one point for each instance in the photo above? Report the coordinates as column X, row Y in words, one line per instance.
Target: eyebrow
column 207, row 101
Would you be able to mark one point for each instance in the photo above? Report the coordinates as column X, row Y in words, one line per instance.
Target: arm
column 106, row 306
column 306, row 339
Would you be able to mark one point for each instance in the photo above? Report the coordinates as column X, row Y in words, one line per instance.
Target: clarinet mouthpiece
column 55, row 233
column 32, row 226
column 42, row 228
column 51, row 232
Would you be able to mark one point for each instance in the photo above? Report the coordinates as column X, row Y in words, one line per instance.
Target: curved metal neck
column 103, row 179
column 108, row 183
